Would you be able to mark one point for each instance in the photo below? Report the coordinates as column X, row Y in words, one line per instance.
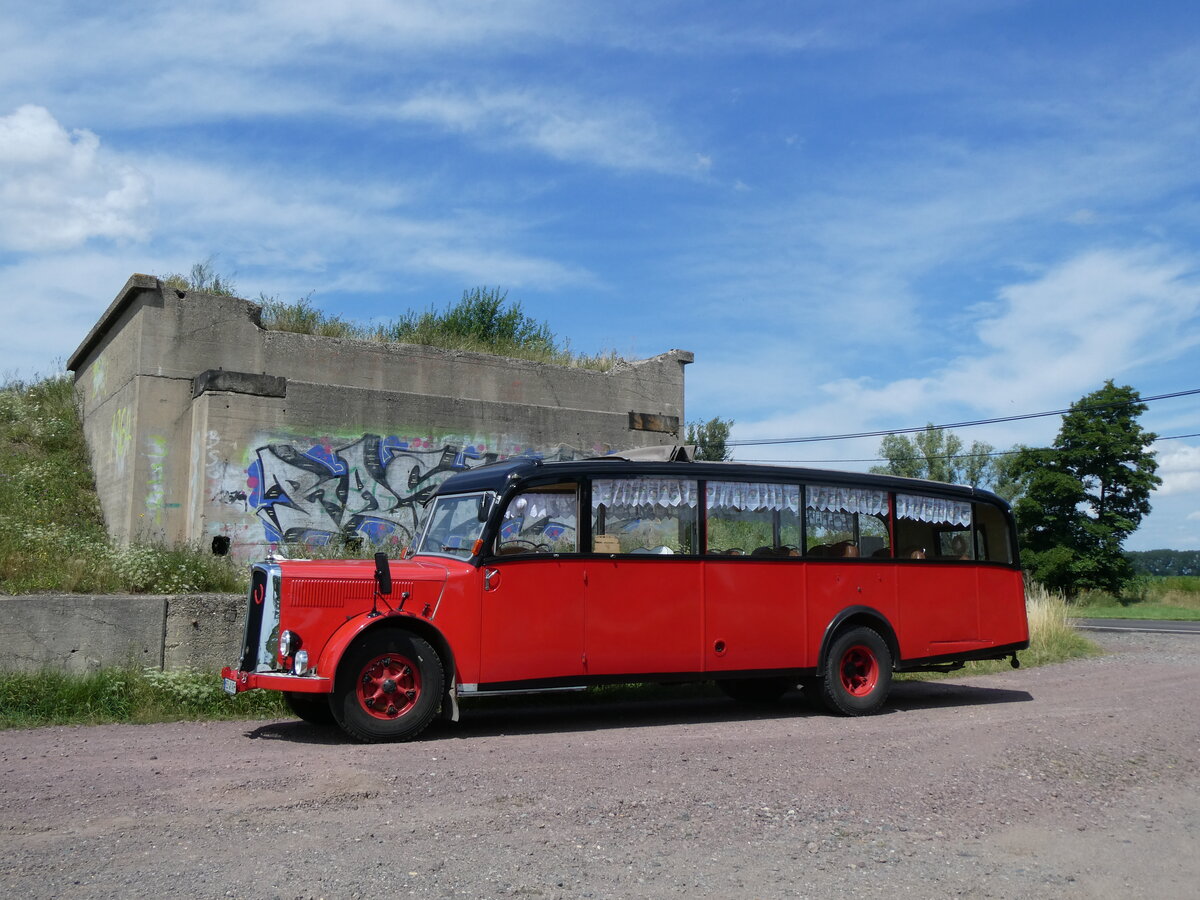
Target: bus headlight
column 289, row 643
column 300, row 663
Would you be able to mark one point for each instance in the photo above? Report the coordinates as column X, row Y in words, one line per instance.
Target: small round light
column 289, row 643
column 300, row 663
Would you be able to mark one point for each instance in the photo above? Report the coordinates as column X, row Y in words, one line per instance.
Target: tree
column 1087, row 494
column 938, row 455
column 710, row 438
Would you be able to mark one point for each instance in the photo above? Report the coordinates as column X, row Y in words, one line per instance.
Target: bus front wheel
column 389, row 686
column 857, row 674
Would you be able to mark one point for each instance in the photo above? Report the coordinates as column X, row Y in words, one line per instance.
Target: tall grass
column 1052, row 637
column 52, row 535
column 483, row 321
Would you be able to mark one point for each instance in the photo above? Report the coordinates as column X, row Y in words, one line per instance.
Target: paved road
column 1153, row 626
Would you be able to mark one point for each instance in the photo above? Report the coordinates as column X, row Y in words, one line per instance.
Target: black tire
column 857, row 673
column 312, row 708
column 756, row 690
column 389, row 686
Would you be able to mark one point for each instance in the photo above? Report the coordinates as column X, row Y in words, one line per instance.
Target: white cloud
column 562, row 127
column 50, row 302
column 1041, row 345
column 1179, row 468
column 60, row 189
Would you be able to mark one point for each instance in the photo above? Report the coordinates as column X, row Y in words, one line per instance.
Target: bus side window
column 846, row 523
column 645, row 515
column 543, row 519
column 746, row 518
column 992, row 538
column 923, row 522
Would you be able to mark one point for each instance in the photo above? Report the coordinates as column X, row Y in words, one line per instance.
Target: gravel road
column 1077, row 780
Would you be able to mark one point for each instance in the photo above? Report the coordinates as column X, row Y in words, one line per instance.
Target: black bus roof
column 500, row 475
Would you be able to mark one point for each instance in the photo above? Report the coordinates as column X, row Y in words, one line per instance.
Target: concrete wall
column 202, row 424
column 81, row 633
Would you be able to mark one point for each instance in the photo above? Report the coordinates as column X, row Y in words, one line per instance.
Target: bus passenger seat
column 606, row 543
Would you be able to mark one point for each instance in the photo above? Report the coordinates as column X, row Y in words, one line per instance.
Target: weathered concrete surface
column 82, row 633
column 203, row 631
column 201, row 423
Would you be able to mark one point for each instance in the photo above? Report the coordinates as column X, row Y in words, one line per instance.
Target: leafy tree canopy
column 1165, row 562
column 938, row 455
column 710, row 438
column 1087, row 494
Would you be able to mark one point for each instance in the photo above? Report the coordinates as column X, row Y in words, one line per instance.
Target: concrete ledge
column 239, row 383
column 82, row 633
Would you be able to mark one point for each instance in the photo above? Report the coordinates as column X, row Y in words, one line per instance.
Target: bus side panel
column 939, row 608
column 753, row 614
column 459, row 617
column 1002, row 606
column 644, row 614
column 835, row 586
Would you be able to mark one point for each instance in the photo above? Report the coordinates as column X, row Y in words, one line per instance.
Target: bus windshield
column 455, row 523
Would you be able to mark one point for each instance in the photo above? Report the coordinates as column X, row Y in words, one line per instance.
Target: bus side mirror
column 383, row 574
column 485, row 508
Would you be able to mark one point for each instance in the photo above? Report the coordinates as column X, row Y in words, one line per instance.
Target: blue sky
column 858, row 216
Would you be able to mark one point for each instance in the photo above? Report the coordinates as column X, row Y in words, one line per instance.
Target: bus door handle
column 491, row 577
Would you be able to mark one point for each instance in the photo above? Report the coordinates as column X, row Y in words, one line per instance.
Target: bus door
column 644, row 595
column 533, row 590
column 754, row 605
column 753, row 614
column 936, row 582
column 644, row 615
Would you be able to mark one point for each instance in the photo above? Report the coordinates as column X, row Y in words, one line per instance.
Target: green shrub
column 51, row 697
column 52, row 535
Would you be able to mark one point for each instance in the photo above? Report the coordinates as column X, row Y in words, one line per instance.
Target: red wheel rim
column 388, row 686
column 859, row 671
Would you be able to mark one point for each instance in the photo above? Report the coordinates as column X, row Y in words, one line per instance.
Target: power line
column 1170, row 437
column 760, row 442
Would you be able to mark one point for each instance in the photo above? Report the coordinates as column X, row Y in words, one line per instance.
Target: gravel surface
column 1077, row 780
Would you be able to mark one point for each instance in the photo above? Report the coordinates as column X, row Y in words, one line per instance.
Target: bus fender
column 858, row 615
column 335, row 649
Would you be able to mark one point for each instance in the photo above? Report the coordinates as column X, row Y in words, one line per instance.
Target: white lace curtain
column 933, row 509
column 847, row 500
column 752, row 497
column 644, row 494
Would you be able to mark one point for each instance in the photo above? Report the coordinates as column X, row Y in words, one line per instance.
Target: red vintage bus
column 531, row 576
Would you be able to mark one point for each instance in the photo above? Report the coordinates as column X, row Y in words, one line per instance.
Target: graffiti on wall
column 156, row 495
column 372, row 488
column 120, row 437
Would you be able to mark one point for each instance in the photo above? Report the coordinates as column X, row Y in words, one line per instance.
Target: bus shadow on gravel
column 534, row 715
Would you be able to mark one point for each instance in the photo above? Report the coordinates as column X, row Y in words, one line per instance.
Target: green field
column 1175, row 597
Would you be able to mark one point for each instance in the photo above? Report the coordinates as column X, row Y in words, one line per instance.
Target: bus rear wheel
column 857, row 674
column 389, row 686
